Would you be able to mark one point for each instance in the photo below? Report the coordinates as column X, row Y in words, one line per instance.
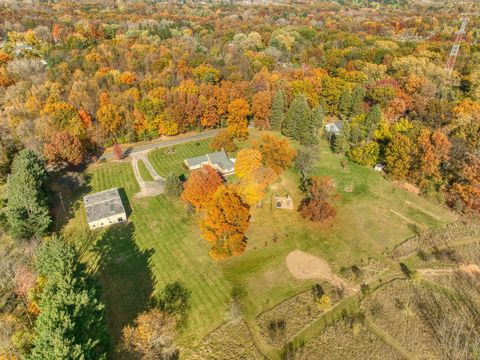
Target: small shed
column 379, row 167
column 104, row 208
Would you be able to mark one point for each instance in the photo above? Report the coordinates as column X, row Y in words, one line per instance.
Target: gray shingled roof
column 221, row 159
column 218, row 158
column 103, row 204
column 197, row 161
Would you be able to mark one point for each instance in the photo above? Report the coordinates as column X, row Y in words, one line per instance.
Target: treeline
column 50, row 307
column 73, row 86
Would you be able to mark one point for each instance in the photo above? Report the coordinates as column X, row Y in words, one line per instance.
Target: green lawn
column 144, row 173
column 370, row 220
column 162, row 243
column 166, row 163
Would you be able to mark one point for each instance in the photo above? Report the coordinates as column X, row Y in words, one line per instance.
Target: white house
column 218, row 160
column 334, row 127
column 104, row 208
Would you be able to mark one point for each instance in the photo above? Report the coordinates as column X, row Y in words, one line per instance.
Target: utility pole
column 452, row 58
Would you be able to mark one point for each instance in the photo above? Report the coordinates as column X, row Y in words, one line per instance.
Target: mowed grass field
column 166, row 163
column 144, row 173
column 162, row 243
column 370, row 220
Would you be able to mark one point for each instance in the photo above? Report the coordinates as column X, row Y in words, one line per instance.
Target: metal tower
column 452, row 58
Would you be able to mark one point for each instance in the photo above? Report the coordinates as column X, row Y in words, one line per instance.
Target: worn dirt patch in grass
column 304, row 266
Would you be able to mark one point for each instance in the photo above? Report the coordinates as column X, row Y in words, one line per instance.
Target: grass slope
column 364, row 227
column 162, row 243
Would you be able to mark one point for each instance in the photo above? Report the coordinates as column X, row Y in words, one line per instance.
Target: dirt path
column 466, row 268
column 305, row 266
column 403, row 217
column 423, row 210
column 387, row 339
column 435, row 272
column 147, row 188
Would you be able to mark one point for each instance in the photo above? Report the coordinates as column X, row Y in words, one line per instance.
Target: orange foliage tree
column 223, row 140
column 264, row 176
column 254, row 177
column 85, row 117
column 276, row 153
column 200, row 186
column 432, row 150
column 64, row 148
column 56, row 31
column 247, row 162
column 467, row 190
column 316, row 206
column 210, row 116
column 111, row 118
column 261, row 104
column 225, row 223
column 238, row 110
column 127, row 78
column 151, row 336
column 4, row 57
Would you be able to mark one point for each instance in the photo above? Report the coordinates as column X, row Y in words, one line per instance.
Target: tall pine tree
column 373, row 118
column 298, row 122
column 358, row 94
column 318, row 116
column 341, row 142
column 71, row 322
column 27, row 210
column 277, row 115
column 345, row 104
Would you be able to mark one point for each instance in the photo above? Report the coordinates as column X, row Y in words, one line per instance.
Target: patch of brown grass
column 347, row 339
column 428, row 321
column 295, row 313
column 231, row 341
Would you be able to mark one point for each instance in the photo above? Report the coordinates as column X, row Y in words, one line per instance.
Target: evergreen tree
column 318, row 116
column 358, row 94
column 277, row 115
column 345, row 104
column 341, row 142
column 27, row 210
column 71, row 322
column 298, row 122
column 173, row 186
column 373, row 118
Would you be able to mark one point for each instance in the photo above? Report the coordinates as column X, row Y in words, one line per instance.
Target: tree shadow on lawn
column 125, row 276
column 65, row 191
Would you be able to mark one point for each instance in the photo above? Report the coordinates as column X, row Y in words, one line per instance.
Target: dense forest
column 77, row 78
column 74, row 82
